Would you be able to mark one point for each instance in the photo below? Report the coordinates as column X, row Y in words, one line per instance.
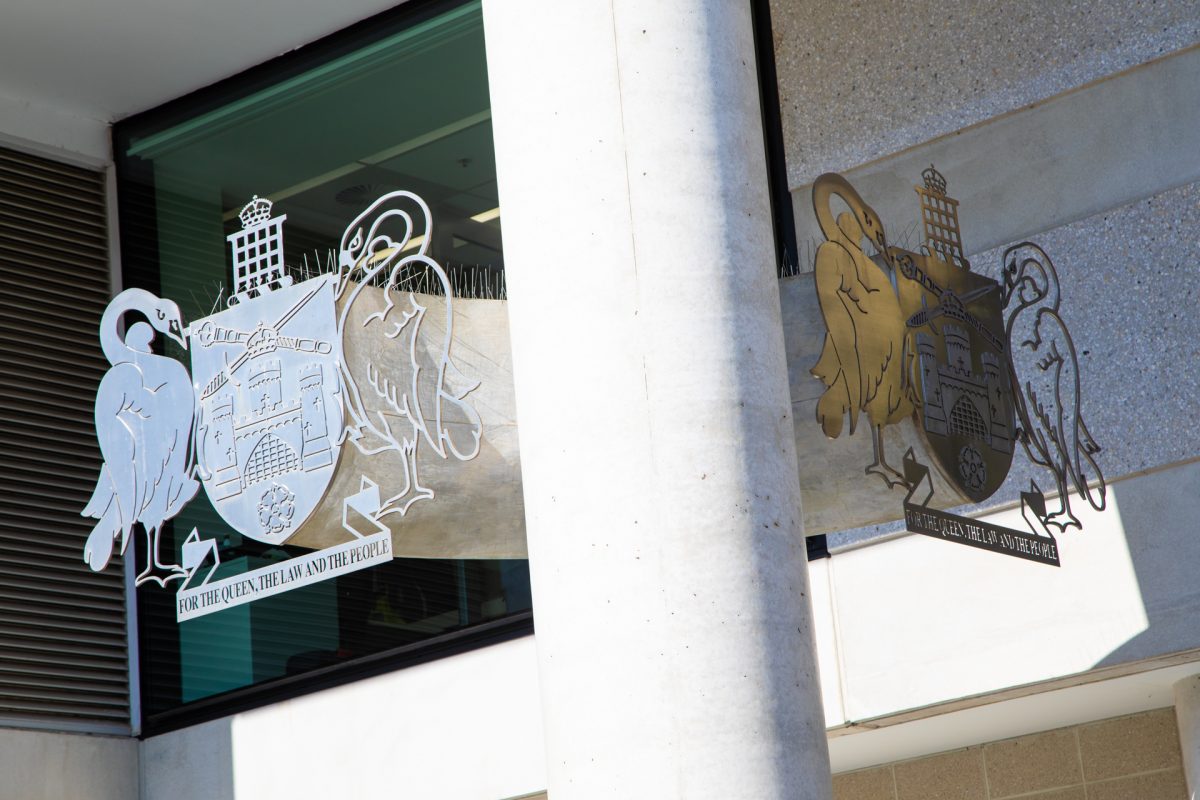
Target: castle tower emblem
column 258, row 252
column 939, row 218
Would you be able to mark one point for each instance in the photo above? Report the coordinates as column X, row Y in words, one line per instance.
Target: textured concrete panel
column 1114, row 142
column 1037, row 760
column 1187, row 716
column 1074, row 793
column 1155, row 786
column 1129, row 282
column 1032, row 763
column 1129, row 745
column 859, row 80
column 41, row 765
column 948, row 776
column 867, row 784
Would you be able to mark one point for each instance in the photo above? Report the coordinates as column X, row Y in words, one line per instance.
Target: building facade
column 599, row 411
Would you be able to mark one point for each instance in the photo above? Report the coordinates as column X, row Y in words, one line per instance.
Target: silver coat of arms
column 271, row 398
column 265, row 372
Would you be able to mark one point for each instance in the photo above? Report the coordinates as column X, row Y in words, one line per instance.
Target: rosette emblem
column 276, row 509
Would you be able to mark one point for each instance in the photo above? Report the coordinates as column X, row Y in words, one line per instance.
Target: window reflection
column 408, row 109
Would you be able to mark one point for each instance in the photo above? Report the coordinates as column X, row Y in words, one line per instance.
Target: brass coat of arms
column 918, row 334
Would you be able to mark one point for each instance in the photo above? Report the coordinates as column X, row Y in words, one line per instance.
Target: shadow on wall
column 1160, row 513
column 193, row 762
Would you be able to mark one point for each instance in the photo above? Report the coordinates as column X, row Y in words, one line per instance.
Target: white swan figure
column 411, row 388
column 144, row 413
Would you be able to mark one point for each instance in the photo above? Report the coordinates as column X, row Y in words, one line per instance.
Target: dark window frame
column 139, row 267
column 787, row 253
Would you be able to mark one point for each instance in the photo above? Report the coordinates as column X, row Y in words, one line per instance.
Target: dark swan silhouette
column 144, row 412
column 861, row 362
column 411, row 387
column 1046, row 379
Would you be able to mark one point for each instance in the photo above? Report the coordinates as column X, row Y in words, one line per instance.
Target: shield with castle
column 913, row 331
column 265, row 373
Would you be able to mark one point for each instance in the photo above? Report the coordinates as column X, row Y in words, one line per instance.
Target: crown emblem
column 934, row 180
column 256, row 212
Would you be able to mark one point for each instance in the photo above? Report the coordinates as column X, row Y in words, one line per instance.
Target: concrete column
column 662, row 501
column 1187, row 715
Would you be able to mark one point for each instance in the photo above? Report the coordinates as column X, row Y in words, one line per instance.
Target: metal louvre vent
column 62, row 627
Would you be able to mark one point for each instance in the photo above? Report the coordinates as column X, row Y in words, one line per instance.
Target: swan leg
column 413, row 490
column 156, row 571
column 419, row 492
column 880, row 467
column 1063, row 518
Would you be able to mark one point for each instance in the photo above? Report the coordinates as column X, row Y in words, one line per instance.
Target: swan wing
column 119, row 423
column 168, row 407
column 459, row 424
column 393, row 376
column 863, row 323
column 1044, row 362
column 1059, row 403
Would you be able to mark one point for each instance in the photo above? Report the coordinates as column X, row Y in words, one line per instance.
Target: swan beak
column 375, row 259
column 173, row 330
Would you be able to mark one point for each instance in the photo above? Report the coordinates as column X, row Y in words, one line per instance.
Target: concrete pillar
column 1187, row 715
column 662, row 501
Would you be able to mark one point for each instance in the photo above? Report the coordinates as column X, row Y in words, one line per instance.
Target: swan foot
column 156, row 571
column 160, row 574
column 1065, row 519
column 891, row 476
column 413, row 491
column 401, row 503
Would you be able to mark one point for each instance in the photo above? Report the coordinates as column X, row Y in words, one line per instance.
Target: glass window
column 400, row 103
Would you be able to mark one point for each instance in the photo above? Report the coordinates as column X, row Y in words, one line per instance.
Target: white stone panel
column 457, row 728
column 924, row 621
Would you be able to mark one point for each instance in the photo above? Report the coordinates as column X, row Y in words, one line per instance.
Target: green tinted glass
column 406, row 110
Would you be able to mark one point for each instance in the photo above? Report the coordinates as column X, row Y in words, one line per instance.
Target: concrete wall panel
column 40, row 765
column 859, row 80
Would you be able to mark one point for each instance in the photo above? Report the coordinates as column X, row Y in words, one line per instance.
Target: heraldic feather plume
column 411, row 394
column 862, row 360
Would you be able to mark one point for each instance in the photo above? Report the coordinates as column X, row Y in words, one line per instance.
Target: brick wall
column 1127, row 758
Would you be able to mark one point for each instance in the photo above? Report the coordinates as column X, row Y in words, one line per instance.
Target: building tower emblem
column 258, row 251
